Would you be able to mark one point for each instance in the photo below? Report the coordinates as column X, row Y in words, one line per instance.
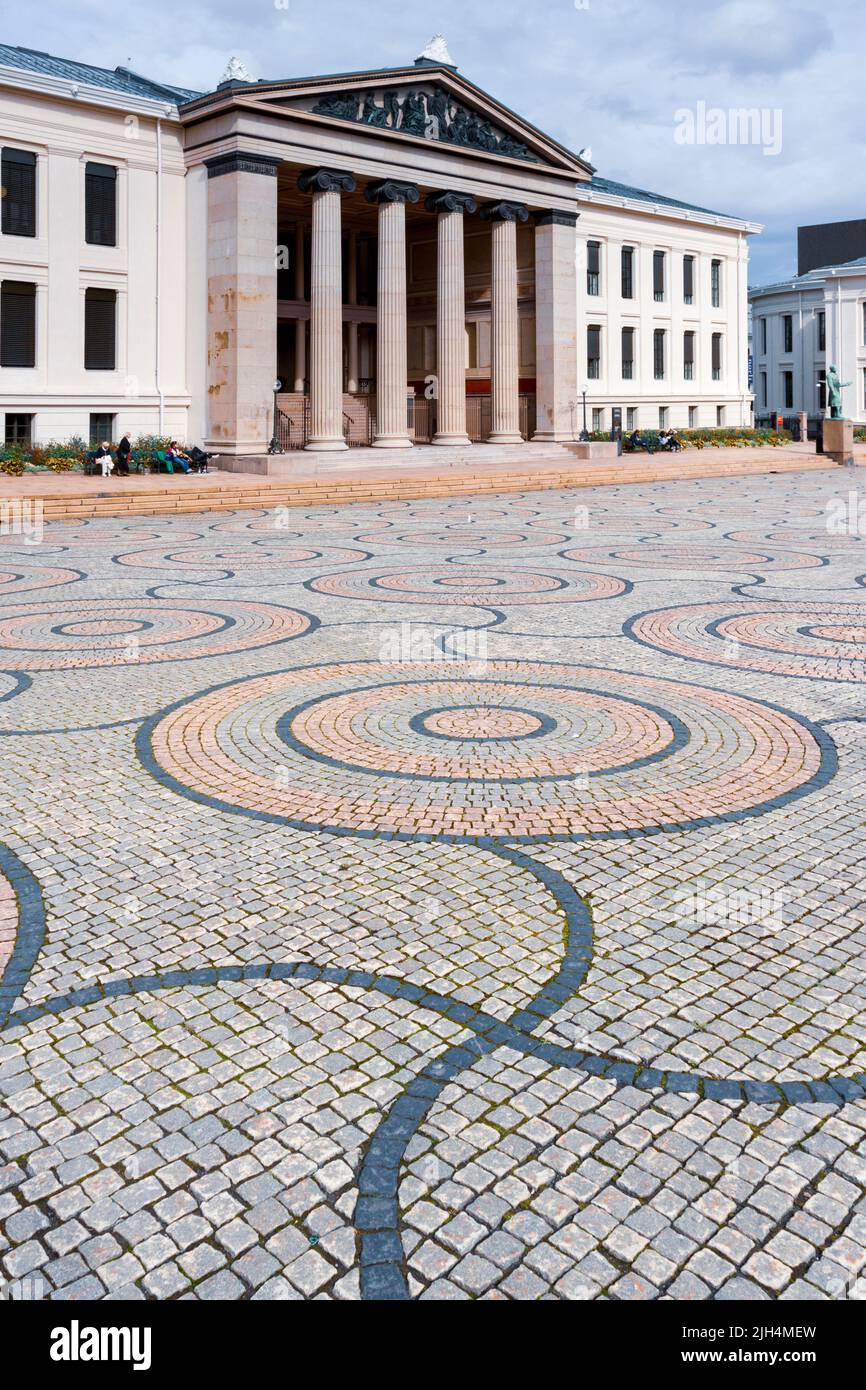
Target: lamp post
column 275, row 447
column 584, row 433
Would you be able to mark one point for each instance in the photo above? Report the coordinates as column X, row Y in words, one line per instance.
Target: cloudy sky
column 609, row 74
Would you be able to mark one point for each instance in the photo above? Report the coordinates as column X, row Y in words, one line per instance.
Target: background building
column 817, row 319
column 166, row 255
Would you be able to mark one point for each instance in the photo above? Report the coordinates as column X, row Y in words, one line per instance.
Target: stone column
column 352, row 298
column 391, row 330
column 242, row 301
column 555, row 325
column 326, row 307
column 505, row 345
column 450, row 316
column 300, row 324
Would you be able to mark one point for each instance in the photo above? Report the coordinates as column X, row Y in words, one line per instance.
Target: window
column 17, row 324
column 19, row 193
column 593, row 352
column 597, row 421
column 788, row 389
column 822, row 392
column 715, row 283
column 658, row 276
column 99, row 330
column 693, row 417
column 627, row 354
column 720, row 416
column 717, row 357
column 664, row 415
column 19, row 429
column 763, row 337
column 100, row 204
column 101, row 427
column 822, row 331
column 864, row 324
column 631, row 418
column 593, row 267
column 788, row 332
column 688, row 279
column 659, row 354
column 628, row 273
column 689, row 356
column 764, row 401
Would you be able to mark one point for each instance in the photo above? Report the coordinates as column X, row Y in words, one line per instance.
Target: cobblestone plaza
column 442, row 899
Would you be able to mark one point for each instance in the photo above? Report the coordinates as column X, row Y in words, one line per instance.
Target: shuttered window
column 100, row 204
column 99, row 330
column 689, row 356
column 593, row 267
column 659, row 354
column 19, row 193
column 688, row 279
column 17, row 324
column 628, row 272
column 717, row 357
column 627, row 354
column 593, row 352
column 658, row 276
column 716, row 283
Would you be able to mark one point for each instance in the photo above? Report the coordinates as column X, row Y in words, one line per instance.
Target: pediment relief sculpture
column 436, row 116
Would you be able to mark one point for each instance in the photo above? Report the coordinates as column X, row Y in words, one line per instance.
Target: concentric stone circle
column 17, row 577
column 812, row 535
column 817, row 640
column 526, row 751
column 109, row 632
column 689, row 557
column 238, row 560
column 465, row 537
column 469, row 586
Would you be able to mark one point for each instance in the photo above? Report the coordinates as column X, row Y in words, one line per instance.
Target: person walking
column 124, row 449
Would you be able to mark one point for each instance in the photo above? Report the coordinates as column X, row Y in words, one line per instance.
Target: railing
column 358, row 430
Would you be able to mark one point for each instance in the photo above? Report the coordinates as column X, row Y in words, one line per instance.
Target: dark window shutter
column 99, row 330
column 19, row 193
column 593, row 342
column 100, row 204
column 659, row 274
column 17, row 324
column 627, row 272
column 628, row 345
column 689, row 348
column 592, row 250
column 689, row 276
column 717, row 352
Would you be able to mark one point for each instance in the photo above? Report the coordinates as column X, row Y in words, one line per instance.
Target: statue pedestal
column 839, row 440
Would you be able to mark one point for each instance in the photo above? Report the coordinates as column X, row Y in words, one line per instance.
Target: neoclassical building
column 802, row 326
column 386, row 257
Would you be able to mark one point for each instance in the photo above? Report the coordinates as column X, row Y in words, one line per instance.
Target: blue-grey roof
column 114, row 79
column 808, row 278
column 624, row 190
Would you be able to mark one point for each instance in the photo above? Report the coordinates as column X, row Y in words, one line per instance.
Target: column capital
column 505, row 212
column 390, row 191
column 450, row 202
column 242, row 162
column 556, row 217
column 326, row 181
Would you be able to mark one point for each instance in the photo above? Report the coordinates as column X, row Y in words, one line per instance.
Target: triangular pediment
column 426, row 102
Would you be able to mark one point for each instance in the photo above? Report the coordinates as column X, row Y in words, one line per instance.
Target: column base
column 554, row 437
column 505, row 437
column 392, row 441
column 325, row 446
column 450, row 440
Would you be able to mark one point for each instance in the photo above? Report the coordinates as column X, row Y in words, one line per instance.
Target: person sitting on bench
column 177, row 457
column 104, row 459
column 668, row 440
column 637, row 441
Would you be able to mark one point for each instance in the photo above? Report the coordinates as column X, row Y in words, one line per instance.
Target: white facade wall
column 840, row 295
column 65, row 133
column 650, row 228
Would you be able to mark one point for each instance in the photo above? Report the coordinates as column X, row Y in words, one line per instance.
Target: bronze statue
column 834, row 393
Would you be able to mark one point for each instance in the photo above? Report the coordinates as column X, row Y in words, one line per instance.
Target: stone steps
column 182, row 496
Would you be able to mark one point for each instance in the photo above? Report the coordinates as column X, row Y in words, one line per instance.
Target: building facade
column 389, row 256
column 802, row 326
